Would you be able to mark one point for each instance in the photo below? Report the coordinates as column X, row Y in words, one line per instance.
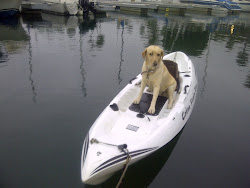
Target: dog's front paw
column 137, row 101
column 151, row 110
column 149, row 90
column 170, row 105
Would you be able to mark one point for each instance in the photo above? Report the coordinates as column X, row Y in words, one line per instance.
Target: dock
column 143, row 8
column 140, row 8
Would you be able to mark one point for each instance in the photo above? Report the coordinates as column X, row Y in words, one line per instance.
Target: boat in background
column 244, row 5
column 62, row 7
column 10, row 7
column 222, row 4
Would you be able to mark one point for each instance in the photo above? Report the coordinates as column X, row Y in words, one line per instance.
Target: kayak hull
column 138, row 134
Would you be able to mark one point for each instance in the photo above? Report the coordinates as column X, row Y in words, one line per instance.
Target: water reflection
column 13, row 38
column 203, row 85
column 83, row 72
column 95, row 42
column 191, row 34
column 31, row 70
column 85, row 26
column 3, row 56
column 122, row 23
column 32, row 21
column 243, row 56
column 175, row 33
column 72, row 68
column 9, row 23
column 247, row 82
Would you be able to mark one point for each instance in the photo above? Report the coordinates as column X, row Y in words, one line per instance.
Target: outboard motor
column 87, row 6
column 92, row 7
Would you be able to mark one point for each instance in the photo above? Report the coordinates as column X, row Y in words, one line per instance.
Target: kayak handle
column 114, row 107
column 142, row 115
column 185, row 89
column 130, row 81
column 120, row 147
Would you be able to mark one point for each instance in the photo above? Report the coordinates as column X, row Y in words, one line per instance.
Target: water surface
column 57, row 74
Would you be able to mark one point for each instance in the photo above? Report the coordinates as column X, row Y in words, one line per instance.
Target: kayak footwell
column 145, row 102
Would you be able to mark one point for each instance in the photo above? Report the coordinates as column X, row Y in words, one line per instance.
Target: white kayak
column 125, row 133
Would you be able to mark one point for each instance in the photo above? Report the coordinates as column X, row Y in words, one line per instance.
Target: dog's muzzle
column 150, row 70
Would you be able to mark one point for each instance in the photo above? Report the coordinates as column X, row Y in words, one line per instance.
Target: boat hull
column 64, row 7
column 141, row 133
column 9, row 8
column 244, row 5
column 224, row 5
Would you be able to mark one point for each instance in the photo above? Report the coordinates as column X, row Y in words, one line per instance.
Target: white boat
column 244, row 5
column 9, row 7
column 125, row 133
column 220, row 5
column 61, row 7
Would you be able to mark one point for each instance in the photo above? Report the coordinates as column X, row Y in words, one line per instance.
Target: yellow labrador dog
column 156, row 76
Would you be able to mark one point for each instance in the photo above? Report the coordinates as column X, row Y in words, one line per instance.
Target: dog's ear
column 144, row 53
column 162, row 53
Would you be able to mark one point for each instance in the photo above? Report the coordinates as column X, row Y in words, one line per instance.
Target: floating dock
column 143, row 8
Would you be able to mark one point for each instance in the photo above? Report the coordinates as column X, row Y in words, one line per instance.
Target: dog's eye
column 151, row 53
column 158, row 55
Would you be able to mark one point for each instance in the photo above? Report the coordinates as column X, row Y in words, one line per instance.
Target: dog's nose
column 155, row 64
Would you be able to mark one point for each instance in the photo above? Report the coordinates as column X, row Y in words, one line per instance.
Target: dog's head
column 152, row 56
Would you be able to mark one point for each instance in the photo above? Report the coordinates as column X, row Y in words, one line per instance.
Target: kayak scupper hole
column 140, row 115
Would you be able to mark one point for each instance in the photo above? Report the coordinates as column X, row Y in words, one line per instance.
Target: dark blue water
column 57, row 74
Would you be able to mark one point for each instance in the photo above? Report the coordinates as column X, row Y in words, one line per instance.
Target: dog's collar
column 151, row 71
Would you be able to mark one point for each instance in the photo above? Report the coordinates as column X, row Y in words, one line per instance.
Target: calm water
column 57, row 74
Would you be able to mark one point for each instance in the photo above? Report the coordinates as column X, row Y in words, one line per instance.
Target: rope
column 124, row 168
column 151, row 71
column 122, row 147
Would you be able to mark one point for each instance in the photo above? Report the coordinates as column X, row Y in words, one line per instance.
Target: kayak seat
column 145, row 102
column 173, row 70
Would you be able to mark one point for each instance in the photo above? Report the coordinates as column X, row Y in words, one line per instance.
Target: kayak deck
column 134, row 121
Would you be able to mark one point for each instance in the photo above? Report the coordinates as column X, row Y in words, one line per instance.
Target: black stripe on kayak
column 122, row 155
column 120, row 158
column 85, row 147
